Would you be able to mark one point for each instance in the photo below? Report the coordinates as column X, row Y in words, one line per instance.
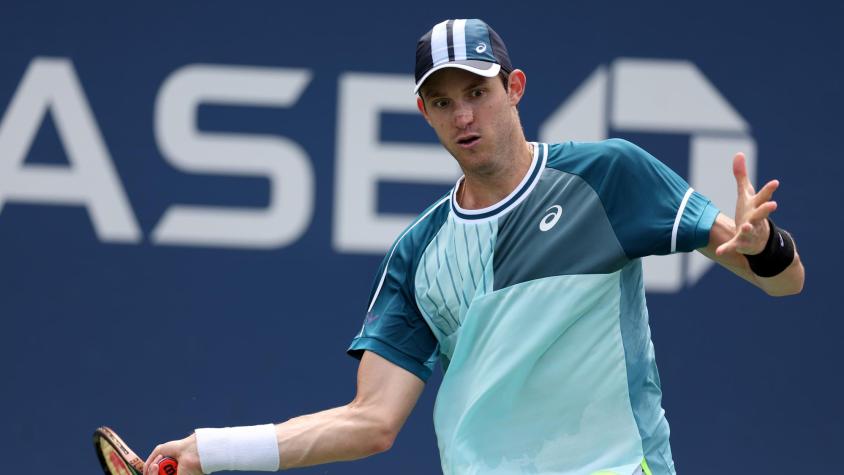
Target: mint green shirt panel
column 455, row 269
column 538, row 383
column 393, row 327
column 642, row 196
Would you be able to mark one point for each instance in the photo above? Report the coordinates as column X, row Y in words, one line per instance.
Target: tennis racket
column 117, row 458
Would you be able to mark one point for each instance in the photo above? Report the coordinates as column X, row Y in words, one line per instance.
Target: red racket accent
column 168, row 466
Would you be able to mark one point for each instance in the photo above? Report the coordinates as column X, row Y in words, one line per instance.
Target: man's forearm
column 343, row 433
column 787, row 282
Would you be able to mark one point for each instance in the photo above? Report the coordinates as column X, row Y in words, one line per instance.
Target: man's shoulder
column 424, row 226
column 582, row 157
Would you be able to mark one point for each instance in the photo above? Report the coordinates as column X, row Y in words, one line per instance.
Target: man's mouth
column 469, row 140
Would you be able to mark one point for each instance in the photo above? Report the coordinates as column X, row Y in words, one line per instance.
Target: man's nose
column 463, row 115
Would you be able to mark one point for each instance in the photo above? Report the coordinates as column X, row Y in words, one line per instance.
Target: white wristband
column 238, row 448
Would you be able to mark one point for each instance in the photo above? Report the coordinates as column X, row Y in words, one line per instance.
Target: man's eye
column 440, row 103
column 477, row 92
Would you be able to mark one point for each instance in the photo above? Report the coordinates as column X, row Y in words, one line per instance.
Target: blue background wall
column 157, row 340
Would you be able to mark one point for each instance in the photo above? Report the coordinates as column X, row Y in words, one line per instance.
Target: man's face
column 472, row 115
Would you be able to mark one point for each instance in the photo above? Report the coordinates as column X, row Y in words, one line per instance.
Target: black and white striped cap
column 466, row 44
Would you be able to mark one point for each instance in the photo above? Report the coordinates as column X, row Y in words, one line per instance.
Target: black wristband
column 777, row 255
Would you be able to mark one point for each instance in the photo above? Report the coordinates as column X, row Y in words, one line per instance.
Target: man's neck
column 479, row 190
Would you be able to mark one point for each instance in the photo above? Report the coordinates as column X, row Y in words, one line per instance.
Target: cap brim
column 481, row 68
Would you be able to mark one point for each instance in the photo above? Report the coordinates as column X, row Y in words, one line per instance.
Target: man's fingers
column 151, row 465
column 740, row 172
column 153, row 469
column 766, row 193
column 152, row 458
column 762, row 212
column 726, row 247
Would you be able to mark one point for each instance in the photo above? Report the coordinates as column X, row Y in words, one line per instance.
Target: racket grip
column 168, row 466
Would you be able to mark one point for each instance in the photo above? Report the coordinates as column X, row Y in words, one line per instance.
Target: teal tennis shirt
column 535, row 307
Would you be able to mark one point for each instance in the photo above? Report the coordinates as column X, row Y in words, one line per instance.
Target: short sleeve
column 652, row 209
column 393, row 327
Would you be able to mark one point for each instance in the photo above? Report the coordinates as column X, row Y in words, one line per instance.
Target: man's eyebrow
column 475, row 83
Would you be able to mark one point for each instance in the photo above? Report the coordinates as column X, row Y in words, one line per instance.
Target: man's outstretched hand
column 752, row 210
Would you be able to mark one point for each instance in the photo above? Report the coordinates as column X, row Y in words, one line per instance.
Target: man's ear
column 420, row 104
column 516, row 82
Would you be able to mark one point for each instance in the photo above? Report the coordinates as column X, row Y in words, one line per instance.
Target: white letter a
column 50, row 84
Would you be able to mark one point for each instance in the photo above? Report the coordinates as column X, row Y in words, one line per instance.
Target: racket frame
column 129, row 458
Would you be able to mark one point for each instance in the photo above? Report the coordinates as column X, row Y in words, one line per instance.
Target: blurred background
column 195, row 197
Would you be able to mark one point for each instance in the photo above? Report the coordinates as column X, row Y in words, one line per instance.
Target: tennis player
column 525, row 283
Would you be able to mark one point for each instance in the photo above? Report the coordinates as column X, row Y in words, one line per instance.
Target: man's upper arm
column 386, row 391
